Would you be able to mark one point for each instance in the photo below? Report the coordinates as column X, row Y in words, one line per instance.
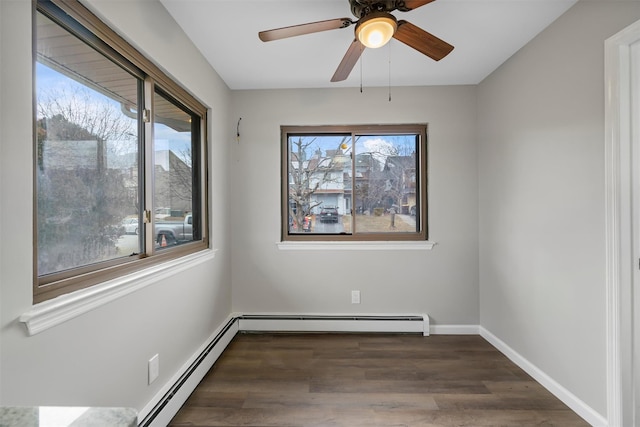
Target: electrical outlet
column 154, row 368
column 355, row 297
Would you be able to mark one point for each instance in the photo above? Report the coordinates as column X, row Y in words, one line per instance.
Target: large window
column 354, row 183
column 119, row 156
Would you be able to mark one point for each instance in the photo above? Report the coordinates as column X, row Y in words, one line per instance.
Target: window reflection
column 87, row 153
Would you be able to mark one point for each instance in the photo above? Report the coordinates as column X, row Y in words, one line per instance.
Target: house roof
column 403, row 162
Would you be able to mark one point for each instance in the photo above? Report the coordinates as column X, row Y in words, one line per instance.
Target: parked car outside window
column 329, row 214
column 130, row 225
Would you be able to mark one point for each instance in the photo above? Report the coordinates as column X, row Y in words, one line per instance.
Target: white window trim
column 401, row 245
column 55, row 311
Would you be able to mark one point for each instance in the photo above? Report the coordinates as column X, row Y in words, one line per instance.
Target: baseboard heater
column 335, row 323
column 169, row 404
column 178, row 393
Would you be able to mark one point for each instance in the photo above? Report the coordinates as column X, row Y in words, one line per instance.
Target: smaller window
column 354, row 183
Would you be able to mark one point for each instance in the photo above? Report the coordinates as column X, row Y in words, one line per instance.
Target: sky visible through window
column 51, row 83
column 379, row 146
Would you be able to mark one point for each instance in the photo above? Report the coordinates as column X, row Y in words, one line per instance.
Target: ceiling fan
column 374, row 28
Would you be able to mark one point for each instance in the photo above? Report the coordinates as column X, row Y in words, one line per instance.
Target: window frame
column 78, row 20
column 370, row 237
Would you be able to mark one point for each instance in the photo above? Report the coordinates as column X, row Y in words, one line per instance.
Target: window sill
column 53, row 312
column 356, row 246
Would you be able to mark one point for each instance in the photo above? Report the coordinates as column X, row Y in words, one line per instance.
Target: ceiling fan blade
column 348, row 61
column 298, row 30
column 414, row 4
column 422, row 41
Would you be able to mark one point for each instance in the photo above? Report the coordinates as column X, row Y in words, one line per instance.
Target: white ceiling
column 485, row 33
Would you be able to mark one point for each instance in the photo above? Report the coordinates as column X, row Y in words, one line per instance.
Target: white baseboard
column 166, row 403
column 568, row 398
column 455, row 329
column 278, row 322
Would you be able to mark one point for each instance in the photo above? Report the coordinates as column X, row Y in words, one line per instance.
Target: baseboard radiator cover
column 172, row 397
column 334, row 323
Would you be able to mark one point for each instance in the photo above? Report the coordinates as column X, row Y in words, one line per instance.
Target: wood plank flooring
column 356, row 380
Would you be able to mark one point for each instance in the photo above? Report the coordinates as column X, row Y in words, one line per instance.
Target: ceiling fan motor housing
column 360, row 8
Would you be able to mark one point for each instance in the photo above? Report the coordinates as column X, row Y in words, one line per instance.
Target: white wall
column 442, row 282
column 100, row 358
column 541, row 170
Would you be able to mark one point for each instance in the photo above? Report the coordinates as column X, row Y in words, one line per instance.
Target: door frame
column 620, row 208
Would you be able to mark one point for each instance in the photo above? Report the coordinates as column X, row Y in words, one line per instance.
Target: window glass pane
column 385, row 181
column 87, row 154
column 319, row 183
column 330, row 192
column 174, row 200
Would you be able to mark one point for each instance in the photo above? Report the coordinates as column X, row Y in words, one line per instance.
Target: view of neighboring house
column 173, row 183
column 327, row 180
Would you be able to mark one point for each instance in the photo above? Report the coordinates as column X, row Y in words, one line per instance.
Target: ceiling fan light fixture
column 376, row 30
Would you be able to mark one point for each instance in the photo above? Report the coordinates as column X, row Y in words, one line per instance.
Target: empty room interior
column 130, row 261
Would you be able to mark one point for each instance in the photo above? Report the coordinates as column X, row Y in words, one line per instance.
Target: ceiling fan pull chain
column 389, row 72
column 361, row 49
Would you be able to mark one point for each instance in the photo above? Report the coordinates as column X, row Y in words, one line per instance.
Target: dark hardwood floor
column 369, row 380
